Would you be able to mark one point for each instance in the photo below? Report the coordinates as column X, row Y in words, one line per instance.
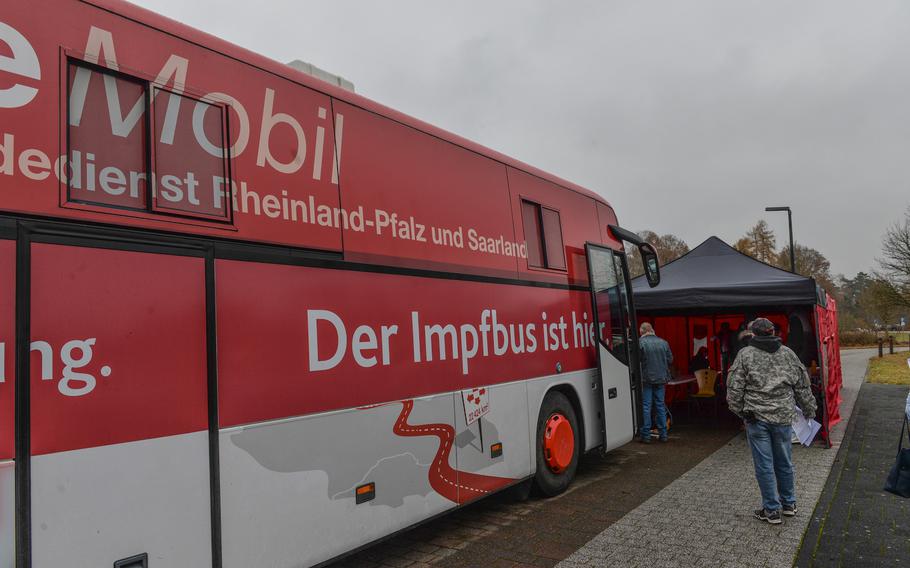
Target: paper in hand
column 805, row 429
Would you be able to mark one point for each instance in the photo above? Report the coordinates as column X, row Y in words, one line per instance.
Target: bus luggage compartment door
column 119, row 408
column 611, row 318
column 7, row 401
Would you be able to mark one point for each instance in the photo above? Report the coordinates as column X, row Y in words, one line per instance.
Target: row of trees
column 867, row 301
column 760, row 242
column 669, row 248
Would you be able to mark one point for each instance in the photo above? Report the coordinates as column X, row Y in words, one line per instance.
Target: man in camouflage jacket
column 766, row 382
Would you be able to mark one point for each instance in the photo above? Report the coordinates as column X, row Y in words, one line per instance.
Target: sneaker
column 789, row 510
column 772, row 517
column 644, row 440
column 664, row 439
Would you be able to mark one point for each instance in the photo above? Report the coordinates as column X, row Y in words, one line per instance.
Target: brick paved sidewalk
column 856, row 523
column 704, row 517
column 500, row 533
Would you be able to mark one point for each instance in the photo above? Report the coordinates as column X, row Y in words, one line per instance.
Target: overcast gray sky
column 689, row 117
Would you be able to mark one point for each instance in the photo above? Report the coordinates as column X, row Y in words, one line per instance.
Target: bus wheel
column 557, row 445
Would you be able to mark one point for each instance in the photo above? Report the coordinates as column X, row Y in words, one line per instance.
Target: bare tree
column 881, row 301
column 895, row 262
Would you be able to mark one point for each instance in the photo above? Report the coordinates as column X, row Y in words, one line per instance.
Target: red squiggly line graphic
column 455, row 485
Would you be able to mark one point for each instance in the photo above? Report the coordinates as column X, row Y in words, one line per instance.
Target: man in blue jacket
column 656, row 358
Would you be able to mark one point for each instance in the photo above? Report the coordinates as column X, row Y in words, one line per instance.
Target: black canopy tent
column 715, row 276
column 710, row 293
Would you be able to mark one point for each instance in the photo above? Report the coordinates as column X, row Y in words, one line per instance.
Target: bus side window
column 123, row 132
column 107, row 139
column 190, row 160
column 543, row 234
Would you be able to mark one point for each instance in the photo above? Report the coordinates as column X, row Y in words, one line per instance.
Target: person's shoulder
column 791, row 354
column 748, row 353
column 785, row 351
column 743, row 359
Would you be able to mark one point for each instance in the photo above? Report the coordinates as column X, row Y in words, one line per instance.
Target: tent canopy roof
column 716, row 276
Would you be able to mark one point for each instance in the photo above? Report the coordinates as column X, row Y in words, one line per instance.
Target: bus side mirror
column 651, row 264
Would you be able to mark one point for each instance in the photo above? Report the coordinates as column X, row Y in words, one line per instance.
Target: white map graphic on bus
column 359, row 446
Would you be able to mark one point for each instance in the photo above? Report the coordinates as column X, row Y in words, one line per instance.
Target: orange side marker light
column 364, row 493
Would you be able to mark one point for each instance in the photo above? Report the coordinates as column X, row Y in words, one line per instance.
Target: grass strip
column 889, row 370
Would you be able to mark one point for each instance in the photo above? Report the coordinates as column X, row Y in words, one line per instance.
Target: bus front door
column 615, row 357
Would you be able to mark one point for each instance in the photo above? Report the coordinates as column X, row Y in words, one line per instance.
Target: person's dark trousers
column 772, row 451
column 656, row 392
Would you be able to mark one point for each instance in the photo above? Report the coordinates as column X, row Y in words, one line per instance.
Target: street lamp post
column 790, row 222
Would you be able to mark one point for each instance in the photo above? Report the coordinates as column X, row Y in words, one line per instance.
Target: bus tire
column 557, row 445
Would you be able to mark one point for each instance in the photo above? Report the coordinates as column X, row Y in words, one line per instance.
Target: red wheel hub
column 558, row 443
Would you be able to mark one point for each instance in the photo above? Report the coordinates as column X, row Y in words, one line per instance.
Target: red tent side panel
column 673, row 329
column 832, row 374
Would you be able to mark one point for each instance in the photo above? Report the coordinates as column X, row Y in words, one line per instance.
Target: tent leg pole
column 825, row 415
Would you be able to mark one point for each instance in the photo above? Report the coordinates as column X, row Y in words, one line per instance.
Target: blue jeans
column 772, row 452
column 657, row 392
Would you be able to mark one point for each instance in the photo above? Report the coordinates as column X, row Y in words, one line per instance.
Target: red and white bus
column 249, row 319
